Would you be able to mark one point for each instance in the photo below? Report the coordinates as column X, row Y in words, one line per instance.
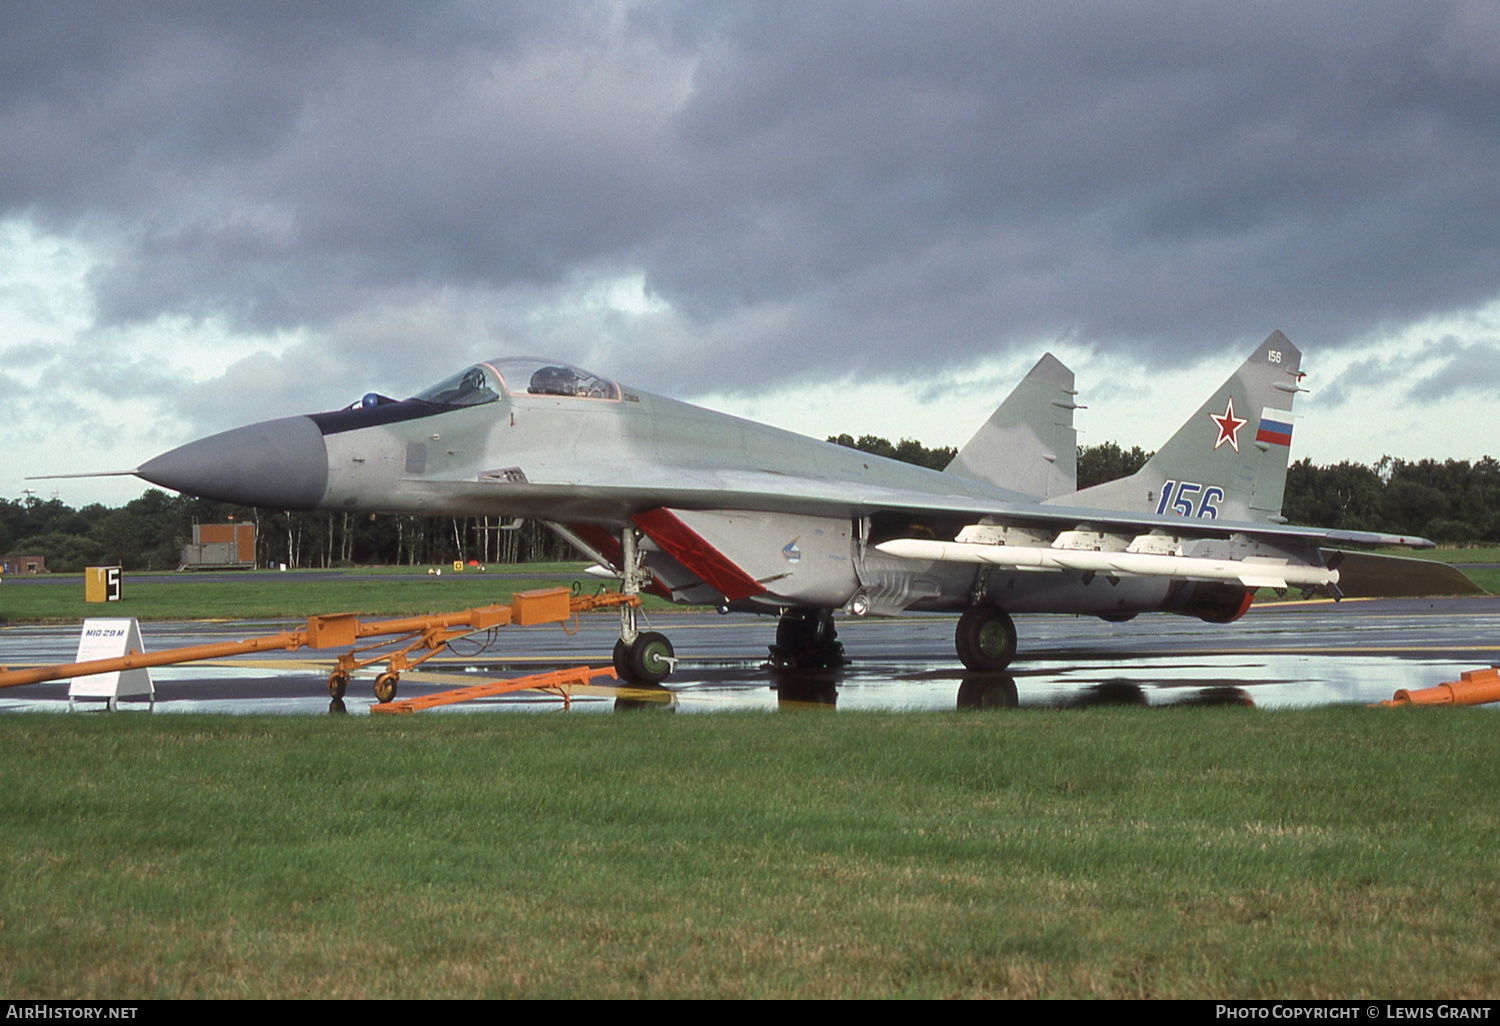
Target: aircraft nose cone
column 279, row 464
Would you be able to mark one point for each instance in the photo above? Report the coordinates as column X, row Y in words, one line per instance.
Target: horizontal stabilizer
column 1368, row 575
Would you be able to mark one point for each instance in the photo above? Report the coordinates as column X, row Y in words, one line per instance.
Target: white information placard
column 107, row 639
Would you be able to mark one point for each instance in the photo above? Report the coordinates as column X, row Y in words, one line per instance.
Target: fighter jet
column 708, row 509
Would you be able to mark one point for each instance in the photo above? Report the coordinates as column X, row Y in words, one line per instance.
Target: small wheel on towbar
column 338, row 683
column 986, row 638
column 649, row 658
column 385, row 687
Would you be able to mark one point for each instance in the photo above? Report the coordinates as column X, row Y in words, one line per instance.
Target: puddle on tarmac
column 1263, row 681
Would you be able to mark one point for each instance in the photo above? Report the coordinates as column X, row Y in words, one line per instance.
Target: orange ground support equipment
column 559, row 682
column 1474, row 687
column 398, row 639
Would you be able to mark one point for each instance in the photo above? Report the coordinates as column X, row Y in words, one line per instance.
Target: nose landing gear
column 640, row 657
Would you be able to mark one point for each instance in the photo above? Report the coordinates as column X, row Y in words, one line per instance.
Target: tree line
column 1449, row 501
column 148, row 533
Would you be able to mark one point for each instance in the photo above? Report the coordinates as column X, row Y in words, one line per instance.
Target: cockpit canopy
column 516, row 376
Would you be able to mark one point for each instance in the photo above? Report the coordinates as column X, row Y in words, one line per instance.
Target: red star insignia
column 1229, row 427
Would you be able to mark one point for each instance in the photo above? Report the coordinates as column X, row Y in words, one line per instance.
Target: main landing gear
column 986, row 638
column 640, row 657
column 806, row 639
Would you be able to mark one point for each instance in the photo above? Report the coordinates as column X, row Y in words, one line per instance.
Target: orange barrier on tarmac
column 558, row 682
column 546, row 605
column 1474, row 687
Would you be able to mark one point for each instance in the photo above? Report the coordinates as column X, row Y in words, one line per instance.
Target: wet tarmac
column 1277, row 656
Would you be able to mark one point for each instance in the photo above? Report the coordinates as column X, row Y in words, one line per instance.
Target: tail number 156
column 1190, row 499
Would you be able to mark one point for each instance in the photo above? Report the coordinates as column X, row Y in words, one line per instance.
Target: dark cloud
column 1463, row 369
column 1434, row 371
column 25, row 355
column 818, row 187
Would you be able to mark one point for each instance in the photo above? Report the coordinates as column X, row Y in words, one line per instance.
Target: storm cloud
column 713, row 196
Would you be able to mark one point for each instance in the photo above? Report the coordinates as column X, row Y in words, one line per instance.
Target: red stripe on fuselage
column 685, row 545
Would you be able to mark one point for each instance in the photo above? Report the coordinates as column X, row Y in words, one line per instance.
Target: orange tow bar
column 559, row 682
column 400, row 638
column 1474, row 687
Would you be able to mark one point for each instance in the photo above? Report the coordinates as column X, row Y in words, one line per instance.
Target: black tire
column 796, row 631
column 985, row 638
column 338, row 684
column 385, row 687
column 807, row 639
column 621, row 660
column 650, row 658
column 988, row 691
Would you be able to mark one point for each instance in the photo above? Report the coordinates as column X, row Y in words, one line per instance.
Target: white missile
column 1253, row 572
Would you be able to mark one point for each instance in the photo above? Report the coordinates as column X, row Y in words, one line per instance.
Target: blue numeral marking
column 1206, row 509
column 1166, row 497
column 1177, row 496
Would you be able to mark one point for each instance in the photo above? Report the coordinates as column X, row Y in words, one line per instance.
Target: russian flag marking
column 1275, row 427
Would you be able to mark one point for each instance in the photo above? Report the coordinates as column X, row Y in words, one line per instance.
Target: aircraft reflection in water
column 704, row 508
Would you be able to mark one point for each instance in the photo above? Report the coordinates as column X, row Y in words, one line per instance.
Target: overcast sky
column 853, row 216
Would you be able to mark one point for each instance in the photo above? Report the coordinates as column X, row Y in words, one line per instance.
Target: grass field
column 265, row 595
column 1100, row 853
column 1446, row 555
column 1487, row 578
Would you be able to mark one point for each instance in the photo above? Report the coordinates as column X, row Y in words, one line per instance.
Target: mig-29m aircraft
column 705, row 508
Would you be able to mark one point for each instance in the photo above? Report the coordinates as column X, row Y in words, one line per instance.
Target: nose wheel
column 646, row 660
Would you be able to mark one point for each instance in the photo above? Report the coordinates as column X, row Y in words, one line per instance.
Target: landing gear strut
column 806, row 639
column 986, row 638
column 640, row 657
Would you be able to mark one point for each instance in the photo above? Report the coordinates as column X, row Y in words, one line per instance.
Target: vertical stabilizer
column 1229, row 460
column 1028, row 444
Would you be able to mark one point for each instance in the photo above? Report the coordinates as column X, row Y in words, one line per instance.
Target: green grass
column 267, row 596
column 1486, row 578
column 1107, row 853
column 1450, row 555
